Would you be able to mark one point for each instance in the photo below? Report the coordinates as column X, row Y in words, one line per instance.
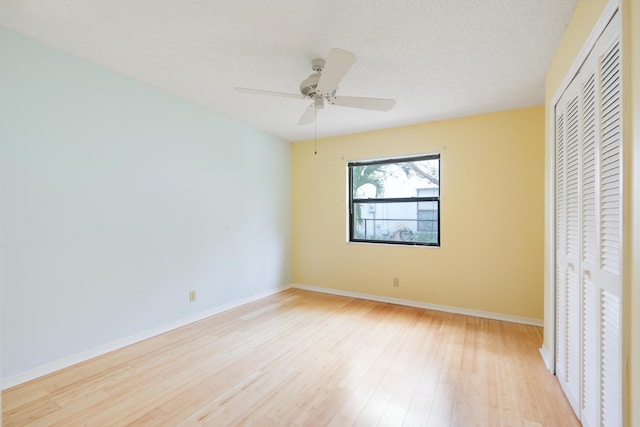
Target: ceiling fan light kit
column 322, row 86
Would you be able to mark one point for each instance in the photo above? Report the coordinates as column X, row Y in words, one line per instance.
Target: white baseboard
column 548, row 360
column 57, row 365
column 428, row 306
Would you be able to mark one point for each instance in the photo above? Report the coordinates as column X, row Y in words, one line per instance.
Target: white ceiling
column 438, row 58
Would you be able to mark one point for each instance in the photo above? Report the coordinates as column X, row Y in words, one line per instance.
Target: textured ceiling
column 438, row 58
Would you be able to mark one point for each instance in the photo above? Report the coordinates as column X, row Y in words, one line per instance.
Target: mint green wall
column 117, row 199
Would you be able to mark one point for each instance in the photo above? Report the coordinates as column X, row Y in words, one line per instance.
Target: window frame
column 417, row 199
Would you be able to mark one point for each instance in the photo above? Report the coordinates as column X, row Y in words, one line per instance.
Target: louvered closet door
column 568, row 289
column 608, row 268
column 561, row 244
column 588, row 235
column 601, row 231
column 591, row 342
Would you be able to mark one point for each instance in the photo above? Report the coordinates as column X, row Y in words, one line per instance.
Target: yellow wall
column 492, row 205
column 631, row 34
column 580, row 26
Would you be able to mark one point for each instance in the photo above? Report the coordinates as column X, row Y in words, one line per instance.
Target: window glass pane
column 396, row 222
column 401, row 179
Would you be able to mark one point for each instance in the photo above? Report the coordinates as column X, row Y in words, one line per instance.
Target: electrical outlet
column 396, row 282
column 192, row 296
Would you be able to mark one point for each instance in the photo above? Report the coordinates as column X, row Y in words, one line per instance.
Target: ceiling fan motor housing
column 309, row 85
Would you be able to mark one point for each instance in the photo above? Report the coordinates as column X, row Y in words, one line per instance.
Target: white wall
column 117, row 199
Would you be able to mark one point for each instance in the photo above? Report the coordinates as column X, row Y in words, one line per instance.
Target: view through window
column 395, row 201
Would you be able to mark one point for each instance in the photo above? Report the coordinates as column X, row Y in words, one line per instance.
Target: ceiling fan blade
column 378, row 104
column 309, row 115
column 268, row 92
column 339, row 61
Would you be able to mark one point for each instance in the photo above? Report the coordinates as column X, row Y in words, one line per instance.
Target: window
column 395, row 201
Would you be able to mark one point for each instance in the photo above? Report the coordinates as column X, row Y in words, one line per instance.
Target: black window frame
column 417, row 199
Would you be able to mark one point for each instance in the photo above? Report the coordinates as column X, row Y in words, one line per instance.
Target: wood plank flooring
column 301, row 358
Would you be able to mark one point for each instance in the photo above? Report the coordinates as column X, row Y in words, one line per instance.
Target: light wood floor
column 305, row 358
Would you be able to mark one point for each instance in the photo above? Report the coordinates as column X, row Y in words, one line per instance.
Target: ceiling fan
column 322, row 85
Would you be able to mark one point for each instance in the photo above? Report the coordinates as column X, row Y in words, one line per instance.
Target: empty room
column 299, row 213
